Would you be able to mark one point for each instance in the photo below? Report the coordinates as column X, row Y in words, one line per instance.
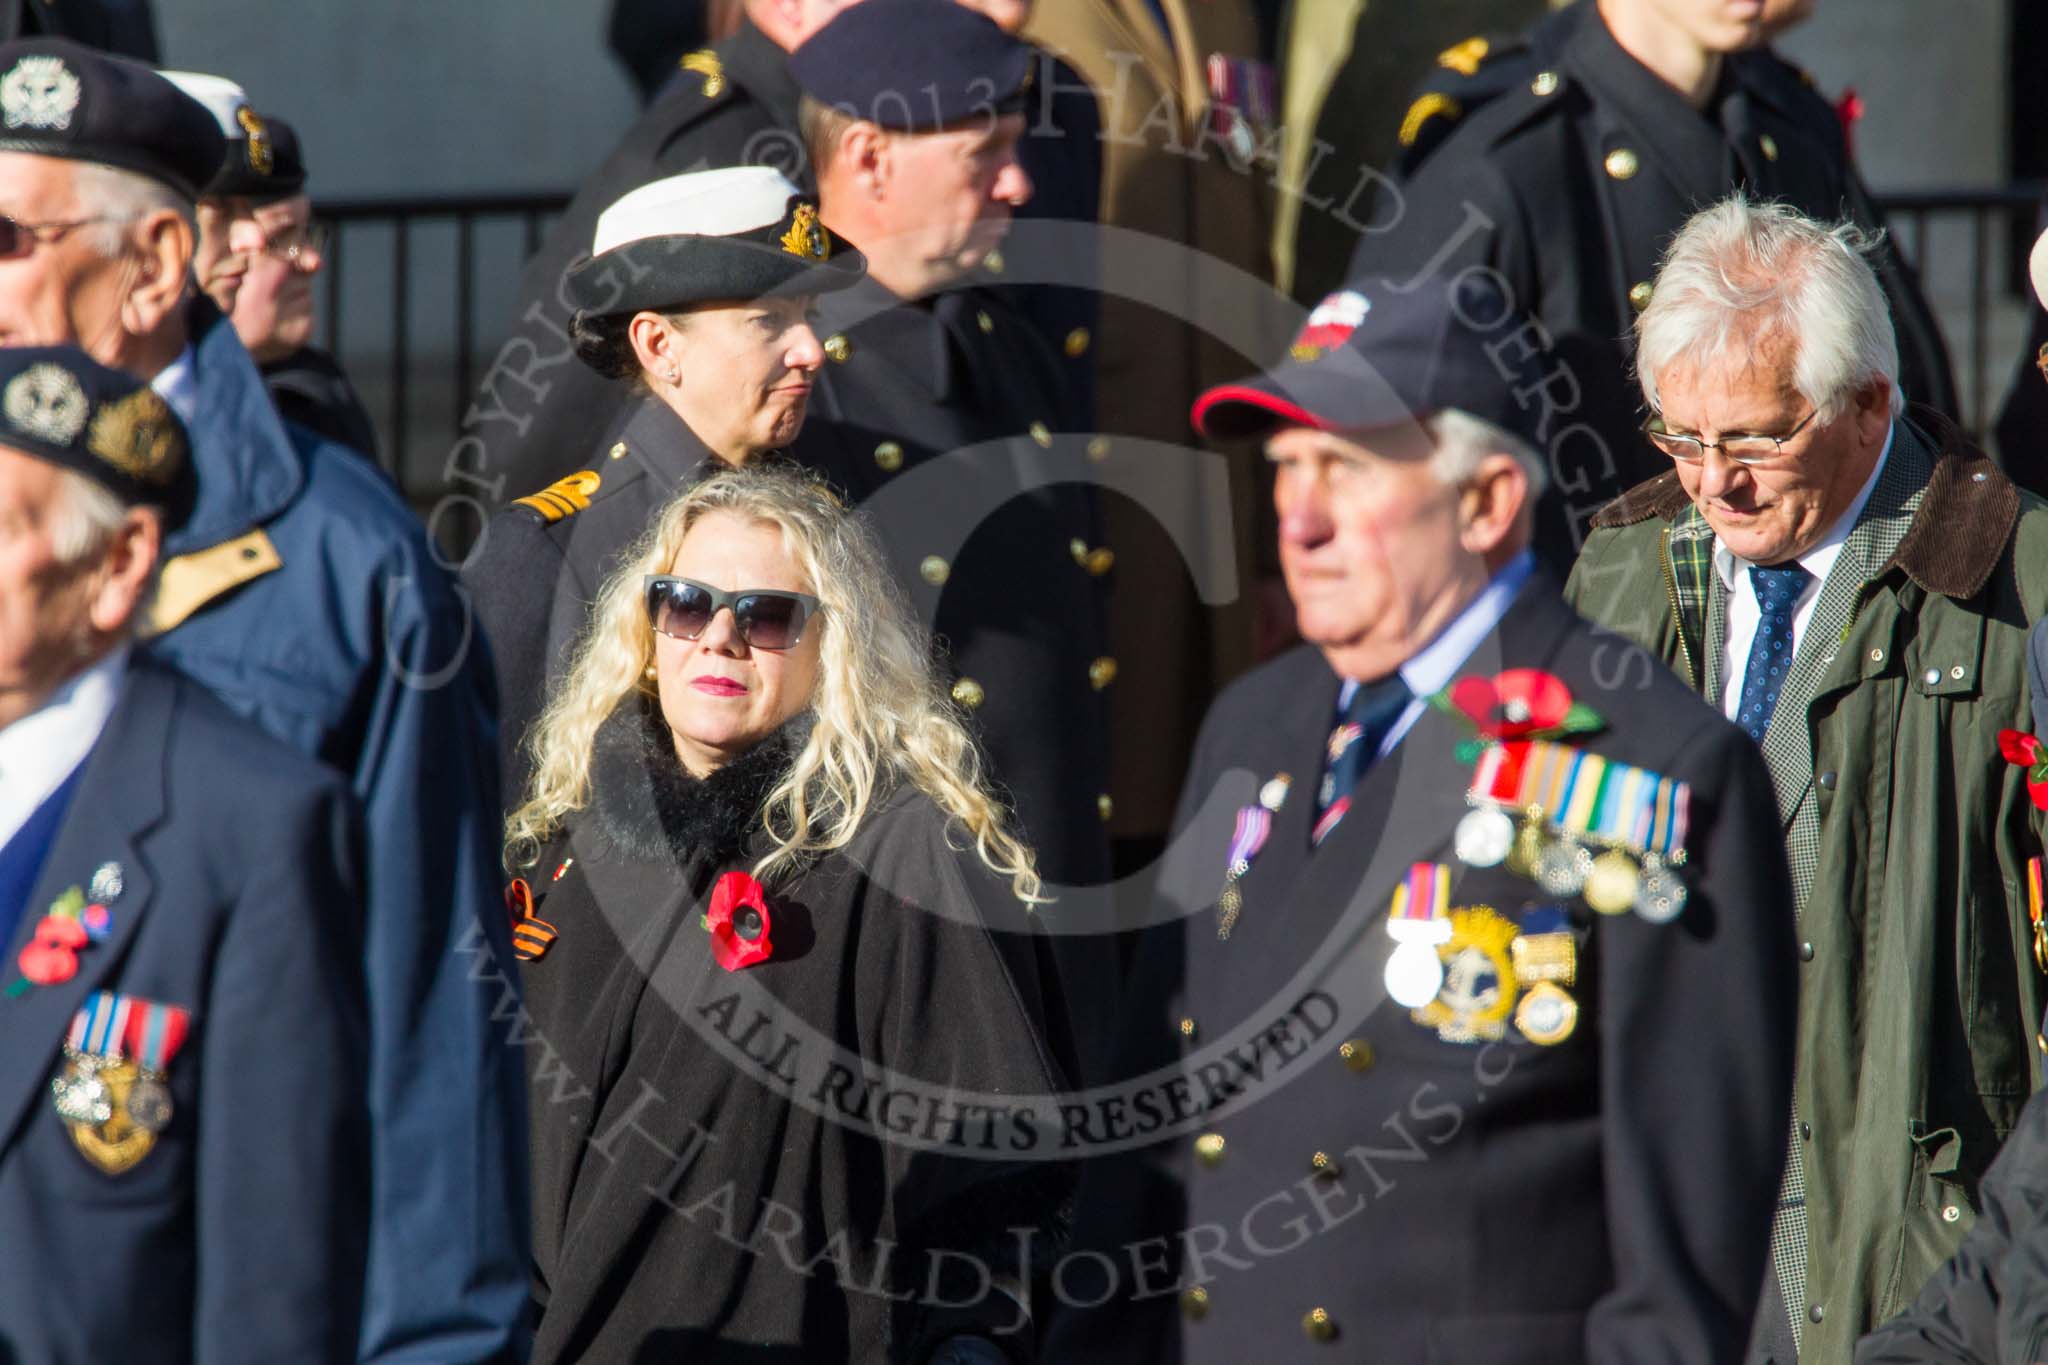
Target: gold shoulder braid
column 706, row 64
column 563, row 497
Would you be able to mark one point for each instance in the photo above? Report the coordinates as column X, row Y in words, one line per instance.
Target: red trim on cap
column 1258, row 398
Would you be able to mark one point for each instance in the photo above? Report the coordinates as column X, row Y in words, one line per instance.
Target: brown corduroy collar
column 1961, row 531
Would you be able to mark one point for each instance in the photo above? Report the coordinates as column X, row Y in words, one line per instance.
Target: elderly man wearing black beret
column 304, row 593
column 942, row 410
column 183, row 1144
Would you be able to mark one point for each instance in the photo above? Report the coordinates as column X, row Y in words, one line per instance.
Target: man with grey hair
column 303, row 592
column 1468, row 1033
column 1853, row 587
column 183, row 1127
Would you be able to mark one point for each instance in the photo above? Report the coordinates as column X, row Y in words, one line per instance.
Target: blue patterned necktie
column 1770, row 655
column 1355, row 743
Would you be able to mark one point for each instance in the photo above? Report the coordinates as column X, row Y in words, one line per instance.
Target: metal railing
column 1969, row 246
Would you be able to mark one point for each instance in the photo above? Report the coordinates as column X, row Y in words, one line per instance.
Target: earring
column 650, row 670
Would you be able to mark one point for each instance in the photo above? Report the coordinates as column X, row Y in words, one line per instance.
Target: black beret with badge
column 59, row 404
column 253, row 161
column 727, row 235
column 59, row 98
column 914, row 66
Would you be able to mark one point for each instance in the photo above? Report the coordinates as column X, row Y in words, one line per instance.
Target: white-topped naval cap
column 224, row 99
column 700, row 204
column 2037, row 269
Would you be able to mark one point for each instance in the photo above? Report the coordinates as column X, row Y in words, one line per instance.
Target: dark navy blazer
column 240, row 1235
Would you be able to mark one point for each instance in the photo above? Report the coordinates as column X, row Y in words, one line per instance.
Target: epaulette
column 704, row 62
column 564, row 497
column 1465, row 77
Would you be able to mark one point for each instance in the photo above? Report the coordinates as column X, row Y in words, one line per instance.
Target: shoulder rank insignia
column 1465, row 57
column 563, row 497
column 706, row 64
column 1435, row 104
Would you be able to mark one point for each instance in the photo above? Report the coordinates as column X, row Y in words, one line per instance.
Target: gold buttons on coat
column 1104, row 807
column 1324, row 1165
column 1318, row 1325
column 1769, row 146
column 1102, row 672
column 993, row 263
column 1077, row 343
column 889, row 456
column 1209, row 1148
column 838, row 347
column 1639, row 297
column 1078, row 548
column 986, row 323
column 1100, row 561
column 1622, row 163
column 1042, row 434
column 1357, row 1054
column 618, row 451
column 934, row 570
column 1188, row 1030
column 968, row 693
column 1544, row 85
column 1098, row 448
column 1195, row 1303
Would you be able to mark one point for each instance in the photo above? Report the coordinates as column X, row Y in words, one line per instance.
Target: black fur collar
column 648, row 807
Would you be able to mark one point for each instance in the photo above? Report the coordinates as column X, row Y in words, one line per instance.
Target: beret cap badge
column 806, row 236
column 39, row 92
column 261, row 159
column 137, row 436
column 46, row 402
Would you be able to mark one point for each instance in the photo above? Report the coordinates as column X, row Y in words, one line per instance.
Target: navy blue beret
column 914, row 65
column 59, row 98
column 59, row 404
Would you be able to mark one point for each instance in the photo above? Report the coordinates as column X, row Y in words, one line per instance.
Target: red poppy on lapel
column 739, row 922
column 51, row 957
column 2023, row 750
column 1516, row 703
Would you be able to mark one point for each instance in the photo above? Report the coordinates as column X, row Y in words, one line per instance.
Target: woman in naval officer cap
column 699, row 288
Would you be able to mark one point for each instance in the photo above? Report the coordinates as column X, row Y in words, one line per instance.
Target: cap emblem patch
column 39, row 92
column 1331, row 324
column 261, row 158
column 136, row 436
column 46, row 402
column 806, row 235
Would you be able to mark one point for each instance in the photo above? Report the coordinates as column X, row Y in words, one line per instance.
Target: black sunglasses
column 682, row 608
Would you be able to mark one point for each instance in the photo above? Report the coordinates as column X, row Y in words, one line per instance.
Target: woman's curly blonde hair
column 880, row 714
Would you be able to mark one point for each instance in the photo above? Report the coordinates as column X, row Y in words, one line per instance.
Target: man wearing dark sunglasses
column 305, row 595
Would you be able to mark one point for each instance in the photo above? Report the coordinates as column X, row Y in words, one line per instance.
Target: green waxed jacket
column 1919, row 996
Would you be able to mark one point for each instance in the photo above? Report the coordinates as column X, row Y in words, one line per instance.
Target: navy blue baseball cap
column 914, row 66
column 60, row 405
column 1374, row 356
column 60, row 98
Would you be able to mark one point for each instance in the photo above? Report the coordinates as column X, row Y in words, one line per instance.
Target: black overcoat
column 1606, row 1197
column 764, row 1165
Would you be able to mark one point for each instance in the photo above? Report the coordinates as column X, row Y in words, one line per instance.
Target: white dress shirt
column 1433, row 667
column 178, row 385
column 1744, row 615
column 42, row 749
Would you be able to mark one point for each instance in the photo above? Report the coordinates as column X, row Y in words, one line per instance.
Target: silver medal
column 81, row 1097
column 1562, row 869
column 149, row 1104
column 107, row 883
column 1660, row 893
column 1414, row 974
column 1484, row 837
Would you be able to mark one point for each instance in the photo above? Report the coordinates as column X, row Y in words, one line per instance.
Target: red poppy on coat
column 1514, row 703
column 51, row 957
column 739, row 922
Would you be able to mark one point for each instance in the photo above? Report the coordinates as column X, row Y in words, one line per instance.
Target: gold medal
column 117, row 1142
column 1479, row 987
column 1547, row 1014
column 1523, row 858
column 1611, row 884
